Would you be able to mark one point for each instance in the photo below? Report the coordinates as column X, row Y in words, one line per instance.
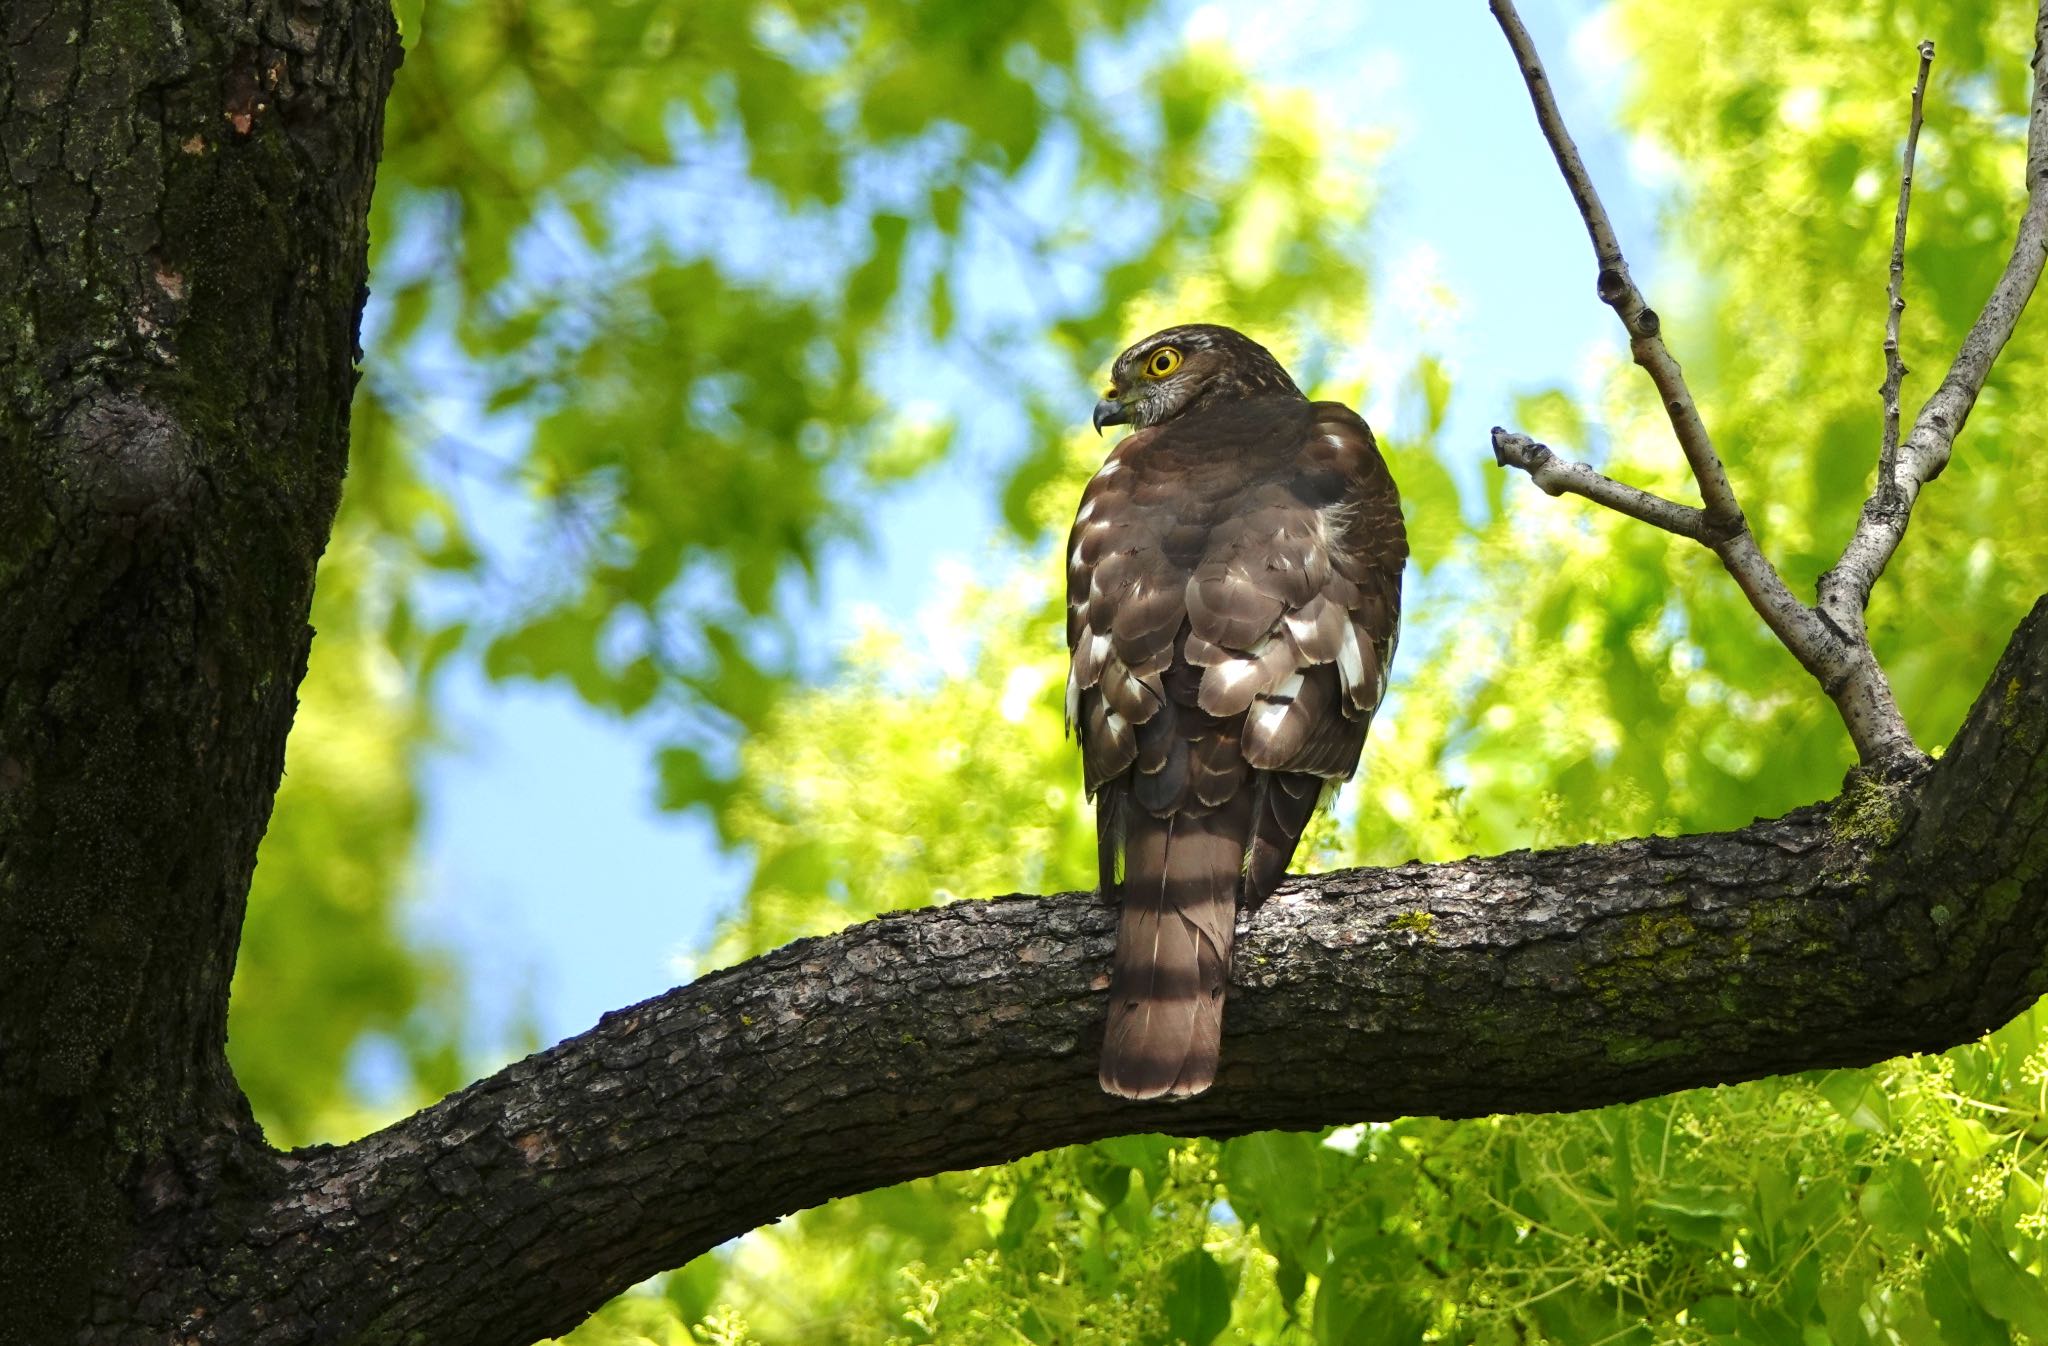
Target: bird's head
column 1180, row 369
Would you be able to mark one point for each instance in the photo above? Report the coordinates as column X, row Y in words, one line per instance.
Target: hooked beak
column 1109, row 411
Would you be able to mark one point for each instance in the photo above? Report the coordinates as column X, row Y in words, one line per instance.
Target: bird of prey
column 1233, row 598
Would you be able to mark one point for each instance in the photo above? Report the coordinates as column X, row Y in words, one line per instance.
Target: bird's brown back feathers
column 1233, row 591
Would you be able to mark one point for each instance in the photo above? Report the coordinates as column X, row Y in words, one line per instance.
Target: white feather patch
column 1351, row 660
column 1269, row 715
column 1335, row 520
column 1226, row 683
column 1303, row 621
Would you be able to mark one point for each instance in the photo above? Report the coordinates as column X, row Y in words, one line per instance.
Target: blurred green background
column 725, row 401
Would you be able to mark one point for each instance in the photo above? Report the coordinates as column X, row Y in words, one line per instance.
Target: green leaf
column 687, row 780
column 694, row 1289
column 1106, row 1180
column 1429, row 501
column 1704, row 1219
column 2006, row 1289
column 1379, row 1316
column 1859, row 1097
column 1147, row 1154
column 1898, row 1203
column 1197, row 1299
column 1955, row 1302
column 1019, row 1219
column 1435, row 383
column 875, row 281
column 1274, row 1180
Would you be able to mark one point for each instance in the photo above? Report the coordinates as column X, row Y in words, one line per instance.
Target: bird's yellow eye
column 1163, row 362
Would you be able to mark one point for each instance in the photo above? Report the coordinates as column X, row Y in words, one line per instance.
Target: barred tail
column 1179, row 909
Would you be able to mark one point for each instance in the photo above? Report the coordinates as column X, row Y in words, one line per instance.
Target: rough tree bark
column 181, row 270
column 1899, row 917
column 182, row 256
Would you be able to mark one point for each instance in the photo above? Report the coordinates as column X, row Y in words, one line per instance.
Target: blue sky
column 544, row 861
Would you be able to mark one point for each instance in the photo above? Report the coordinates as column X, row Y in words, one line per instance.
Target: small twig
column 1835, row 652
column 1845, row 590
column 1894, row 367
column 1557, row 476
column 1830, row 639
column 1617, row 290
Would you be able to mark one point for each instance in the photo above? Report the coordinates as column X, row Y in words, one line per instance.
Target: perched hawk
column 1233, row 596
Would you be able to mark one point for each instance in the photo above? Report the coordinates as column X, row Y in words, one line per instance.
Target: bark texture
column 1900, row 917
column 182, row 257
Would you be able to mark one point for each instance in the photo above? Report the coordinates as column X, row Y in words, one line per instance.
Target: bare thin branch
column 1836, row 657
column 1559, row 476
column 1894, row 367
column 1617, row 288
column 1845, row 590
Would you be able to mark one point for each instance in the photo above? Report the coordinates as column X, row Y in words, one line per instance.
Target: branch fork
column 1829, row 637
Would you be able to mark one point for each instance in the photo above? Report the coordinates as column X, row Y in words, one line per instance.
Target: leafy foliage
column 701, row 268
column 693, row 281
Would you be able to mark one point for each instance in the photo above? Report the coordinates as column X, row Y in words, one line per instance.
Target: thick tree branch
column 1901, row 917
column 1845, row 590
column 1829, row 639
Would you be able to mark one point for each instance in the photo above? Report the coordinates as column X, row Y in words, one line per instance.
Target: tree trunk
column 182, row 259
column 181, row 272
